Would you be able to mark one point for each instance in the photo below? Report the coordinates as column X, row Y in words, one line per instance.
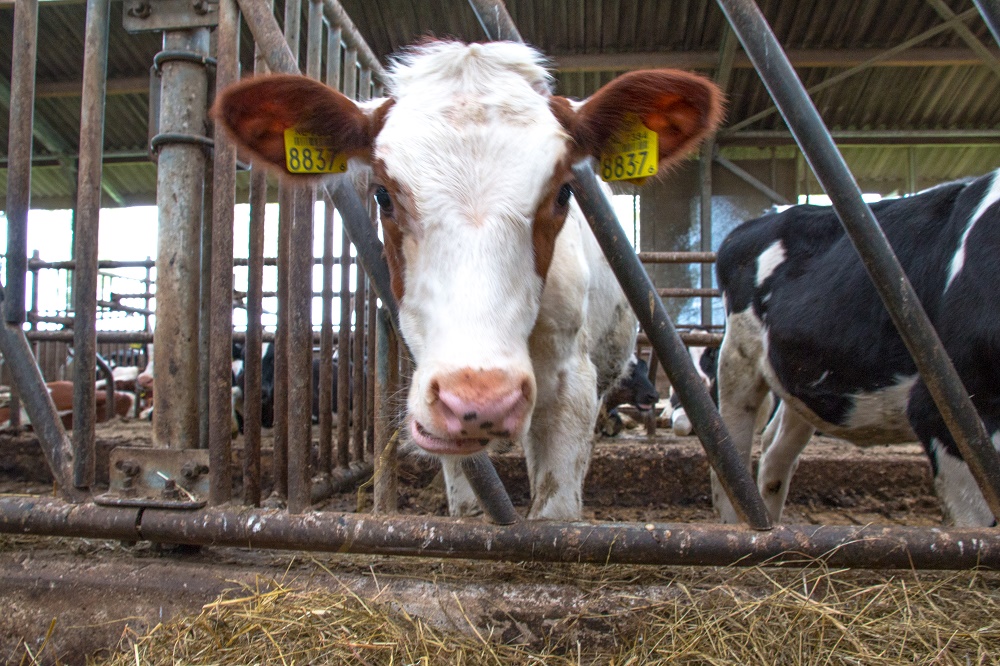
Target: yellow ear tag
column 309, row 153
column 632, row 154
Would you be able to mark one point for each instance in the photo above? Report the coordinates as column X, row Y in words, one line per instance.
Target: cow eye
column 383, row 200
column 564, row 194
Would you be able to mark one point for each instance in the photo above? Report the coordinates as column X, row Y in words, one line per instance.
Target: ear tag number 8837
column 308, row 153
column 631, row 154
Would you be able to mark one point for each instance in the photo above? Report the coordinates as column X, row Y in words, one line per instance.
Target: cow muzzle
column 465, row 409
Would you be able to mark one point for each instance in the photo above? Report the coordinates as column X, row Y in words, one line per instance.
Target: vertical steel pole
column 358, row 371
column 705, row 191
column 386, row 359
column 344, row 356
column 179, row 194
column 88, row 212
column 22, row 108
column 205, row 308
column 252, row 347
column 221, row 317
column 887, row 275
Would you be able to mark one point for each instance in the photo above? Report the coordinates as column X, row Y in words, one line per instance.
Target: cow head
column 471, row 158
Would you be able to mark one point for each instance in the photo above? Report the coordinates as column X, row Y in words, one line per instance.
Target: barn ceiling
column 906, row 85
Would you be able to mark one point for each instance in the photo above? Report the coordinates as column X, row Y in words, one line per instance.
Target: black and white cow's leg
column 783, row 440
column 742, row 389
column 461, row 498
column 961, row 500
column 558, row 447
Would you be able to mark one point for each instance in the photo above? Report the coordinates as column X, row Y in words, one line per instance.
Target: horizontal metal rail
column 872, row 547
column 677, row 257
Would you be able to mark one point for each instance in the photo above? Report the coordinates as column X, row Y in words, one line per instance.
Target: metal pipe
column 299, row 354
column 677, row 257
column 689, row 292
column 495, row 20
column 370, row 352
column 990, row 10
column 326, row 378
column 733, row 473
column 52, row 437
column 890, row 281
column 220, row 389
column 357, row 412
column 205, row 308
column 19, row 145
column 489, row 489
column 279, row 461
column 658, row 544
column 344, row 354
column 252, row 349
column 85, row 234
column 705, row 215
column 179, row 193
column 750, row 180
column 109, row 392
column 385, row 487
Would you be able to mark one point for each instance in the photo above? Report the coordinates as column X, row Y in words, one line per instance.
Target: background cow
column 516, row 324
column 804, row 320
column 635, row 389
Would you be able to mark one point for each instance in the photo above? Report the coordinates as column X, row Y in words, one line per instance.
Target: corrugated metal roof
column 594, row 38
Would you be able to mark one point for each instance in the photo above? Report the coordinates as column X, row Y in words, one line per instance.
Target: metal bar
column 109, row 391
column 733, row 474
column 370, row 352
column 299, row 353
column 52, row 437
column 205, row 308
column 85, row 234
column 689, row 292
column 750, row 180
column 990, row 11
column 495, row 20
column 963, row 32
column 252, row 349
column 286, row 198
column 22, row 105
column 890, row 281
column 657, row 544
column 344, row 355
column 489, row 489
column 705, row 219
column 942, row 137
column 220, row 394
column 676, row 257
column 326, row 378
column 357, row 410
column 179, row 194
column 385, row 487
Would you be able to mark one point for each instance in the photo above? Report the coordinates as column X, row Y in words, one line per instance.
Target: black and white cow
column 804, row 320
column 634, row 388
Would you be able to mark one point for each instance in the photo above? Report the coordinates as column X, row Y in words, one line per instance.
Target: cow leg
column 558, row 447
column 784, row 438
column 961, row 500
column 742, row 389
column 461, row 499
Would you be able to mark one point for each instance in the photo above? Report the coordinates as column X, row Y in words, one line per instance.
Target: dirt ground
column 70, row 599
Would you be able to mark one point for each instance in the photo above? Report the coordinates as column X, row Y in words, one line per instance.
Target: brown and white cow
column 515, row 321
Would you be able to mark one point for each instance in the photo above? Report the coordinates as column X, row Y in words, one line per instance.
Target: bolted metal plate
column 157, row 478
column 144, row 15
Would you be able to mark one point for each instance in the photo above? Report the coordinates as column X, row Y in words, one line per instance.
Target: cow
column 61, row 393
column 635, row 389
column 516, row 324
column 804, row 320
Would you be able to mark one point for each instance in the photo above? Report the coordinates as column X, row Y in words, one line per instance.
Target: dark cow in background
column 804, row 320
column 635, row 389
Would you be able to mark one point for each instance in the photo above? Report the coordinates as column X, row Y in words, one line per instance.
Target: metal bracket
column 157, row 478
column 147, row 15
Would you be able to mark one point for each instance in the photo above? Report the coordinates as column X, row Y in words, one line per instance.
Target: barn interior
column 904, row 86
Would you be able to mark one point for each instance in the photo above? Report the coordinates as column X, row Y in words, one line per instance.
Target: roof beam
column 801, row 58
column 131, row 85
column 988, row 57
column 961, row 137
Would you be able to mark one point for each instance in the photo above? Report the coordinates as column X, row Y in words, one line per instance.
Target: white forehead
column 469, row 118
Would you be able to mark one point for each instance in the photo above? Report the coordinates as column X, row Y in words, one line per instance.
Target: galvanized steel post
column 179, row 194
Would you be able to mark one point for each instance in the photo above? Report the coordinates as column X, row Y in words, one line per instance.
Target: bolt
column 140, row 11
column 170, row 491
column 129, row 468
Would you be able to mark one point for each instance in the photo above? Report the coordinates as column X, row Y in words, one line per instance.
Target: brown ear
column 682, row 108
column 256, row 113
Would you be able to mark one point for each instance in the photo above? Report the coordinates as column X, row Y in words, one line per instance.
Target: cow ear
column 256, row 113
column 682, row 108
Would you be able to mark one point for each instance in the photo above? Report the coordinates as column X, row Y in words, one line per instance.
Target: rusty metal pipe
column 19, row 146
column 344, row 355
column 220, row 372
column 85, row 233
column 335, row 13
column 489, row 489
column 657, row 544
column 252, row 349
column 385, row 490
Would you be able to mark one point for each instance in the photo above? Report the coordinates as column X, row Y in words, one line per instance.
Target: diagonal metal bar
column 945, row 12
column 866, row 65
column 990, row 9
column 733, row 474
column 890, row 281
